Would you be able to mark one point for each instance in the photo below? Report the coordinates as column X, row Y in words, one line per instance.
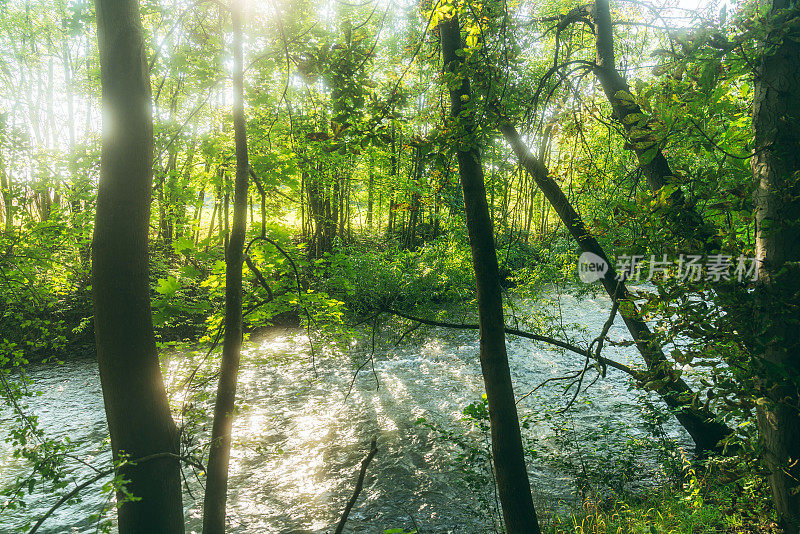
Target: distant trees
column 144, row 438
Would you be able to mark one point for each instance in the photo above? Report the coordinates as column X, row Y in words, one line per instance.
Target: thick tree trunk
column 776, row 169
column 699, row 422
column 514, row 489
column 214, row 504
column 136, row 403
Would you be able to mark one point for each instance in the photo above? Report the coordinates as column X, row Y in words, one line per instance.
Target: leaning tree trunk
column 698, row 422
column 136, row 403
column 220, row 449
column 776, row 170
column 679, row 215
column 514, row 489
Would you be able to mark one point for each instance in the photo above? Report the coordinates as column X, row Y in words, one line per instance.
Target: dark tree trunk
column 683, row 219
column 699, row 422
column 180, row 221
column 317, row 215
column 136, row 403
column 5, row 191
column 332, row 224
column 197, row 218
column 370, row 194
column 214, row 504
column 514, row 489
column 776, row 164
column 394, row 170
column 263, row 205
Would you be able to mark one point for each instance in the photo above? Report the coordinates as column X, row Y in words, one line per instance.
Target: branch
column 105, row 473
column 299, row 289
column 521, row 333
column 359, row 485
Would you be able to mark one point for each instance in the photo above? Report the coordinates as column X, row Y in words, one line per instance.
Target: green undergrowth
column 700, row 504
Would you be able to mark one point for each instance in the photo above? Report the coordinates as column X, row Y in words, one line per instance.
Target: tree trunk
column 5, row 189
column 686, row 223
column 181, row 223
column 776, row 164
column 214, row 504
column 370, row 194
column 136, row 403
column 699, row 422
column 514, row 489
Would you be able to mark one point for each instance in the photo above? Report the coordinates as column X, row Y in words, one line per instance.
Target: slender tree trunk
column 214, row 504
column 197, row 218
column 263, row 194
column 166, row 223
column 303, row 227
column 136, row 403
column 392, row 205
column 514, row 489
column 225, row 216
column 370, row 194
column 5, row 189
column 213, row 223
column 180, row 203
column 776, row 169
column 316, row 212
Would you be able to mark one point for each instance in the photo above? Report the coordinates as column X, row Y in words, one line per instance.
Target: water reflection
column 298, row 444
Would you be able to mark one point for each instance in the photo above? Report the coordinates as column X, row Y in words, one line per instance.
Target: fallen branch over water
column 528, row 335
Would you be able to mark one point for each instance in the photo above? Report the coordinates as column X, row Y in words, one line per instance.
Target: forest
column 400, row 267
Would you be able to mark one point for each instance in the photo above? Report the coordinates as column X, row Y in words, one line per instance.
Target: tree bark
column 776, row 169
column 698, row 422
column 688, row 224
column 511, row 474
column 214, row 505
column 136, row 403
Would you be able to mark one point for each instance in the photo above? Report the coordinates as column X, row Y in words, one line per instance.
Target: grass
column 700, row 505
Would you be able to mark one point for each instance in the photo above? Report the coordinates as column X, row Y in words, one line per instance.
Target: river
column 298, row 443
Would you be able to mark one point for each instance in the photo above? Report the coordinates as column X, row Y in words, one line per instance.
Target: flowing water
column 299, row 443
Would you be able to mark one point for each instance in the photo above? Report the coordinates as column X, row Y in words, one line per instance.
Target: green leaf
column 168, row 286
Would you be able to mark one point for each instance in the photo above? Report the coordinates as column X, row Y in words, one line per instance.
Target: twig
column 365, row 362
column 101, row 474
column 715, row 145
column 407, row 332
column 359, row 485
